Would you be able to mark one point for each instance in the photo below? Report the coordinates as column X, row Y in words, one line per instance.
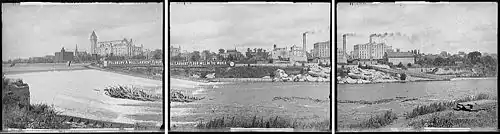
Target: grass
column 37, row 116
column 132, row 93
column 442, row 106
column 377, row 121
column 261, row 122
column 458, row 119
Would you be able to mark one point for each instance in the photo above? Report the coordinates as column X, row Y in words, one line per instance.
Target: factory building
column 63, row 56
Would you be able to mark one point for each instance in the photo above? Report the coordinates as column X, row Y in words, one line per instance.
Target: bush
column 451, row 119
column 403, row 76
column 377, row 121
column 442, row 106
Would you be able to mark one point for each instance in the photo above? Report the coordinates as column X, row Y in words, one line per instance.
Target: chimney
column 344, row 39
column 304, row 42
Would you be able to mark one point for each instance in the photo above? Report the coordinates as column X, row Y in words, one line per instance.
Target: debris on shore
column 402, row 99
column 178, row 96
column 293, row 98
column 132, row 93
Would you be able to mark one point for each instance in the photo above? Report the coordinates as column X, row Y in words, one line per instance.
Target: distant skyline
column 211, row 26
column 431, row 28
column 39, row 30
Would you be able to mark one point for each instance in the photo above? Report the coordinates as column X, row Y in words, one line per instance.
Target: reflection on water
column 429, row 89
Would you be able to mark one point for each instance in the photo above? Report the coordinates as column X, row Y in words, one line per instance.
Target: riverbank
column 40, row 67
column 355, row 75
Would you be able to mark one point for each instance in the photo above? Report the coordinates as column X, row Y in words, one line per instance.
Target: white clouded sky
column 429, row 27
column 210, row 26
column 39, row 30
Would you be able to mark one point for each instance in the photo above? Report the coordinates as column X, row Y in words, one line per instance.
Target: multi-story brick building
column 322, row 52
column 370, row 51
column 400, row 57
column 63, row 56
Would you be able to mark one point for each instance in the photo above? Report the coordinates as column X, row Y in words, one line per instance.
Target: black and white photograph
column 82, row 67
column 416, row 66
column 250, row 66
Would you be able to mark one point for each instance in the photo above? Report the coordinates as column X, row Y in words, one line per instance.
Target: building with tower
column 114, row 47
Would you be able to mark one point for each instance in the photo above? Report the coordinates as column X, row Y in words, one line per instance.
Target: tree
column 158, row 54
column 403, row 76
column 230, row 57
column 439, row 61
column 474, row 56
column 206, row 53
column 221, row 51
column 196, row 56
column 249, row 53
column 400, row 65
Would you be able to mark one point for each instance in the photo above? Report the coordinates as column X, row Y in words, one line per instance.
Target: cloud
column 214, row 26
column 36, row 30
column 430, row 27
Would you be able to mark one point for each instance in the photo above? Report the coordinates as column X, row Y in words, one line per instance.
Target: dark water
column 430, row 89
column 248, row 99
column 251, row 93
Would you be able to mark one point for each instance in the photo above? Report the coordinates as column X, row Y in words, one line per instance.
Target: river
column 80, row 93
column 428, row 89
column 251, row 98
column 425, row 93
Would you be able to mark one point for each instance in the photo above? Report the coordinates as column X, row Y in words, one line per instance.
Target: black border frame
column 162, row 128
column 294, row 1
column 368, row 1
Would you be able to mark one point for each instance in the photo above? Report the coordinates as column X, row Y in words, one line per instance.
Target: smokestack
column 304, row 42
column 344, row 40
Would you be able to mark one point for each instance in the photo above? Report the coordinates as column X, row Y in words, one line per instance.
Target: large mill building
column 114, row 47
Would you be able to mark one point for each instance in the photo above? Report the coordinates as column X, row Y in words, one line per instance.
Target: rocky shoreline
column 308, row 74
column 372, row 76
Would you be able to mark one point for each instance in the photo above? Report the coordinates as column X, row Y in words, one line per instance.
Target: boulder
column 350, row 80
column 358, row 81
column 310, row 78
column 210, row 76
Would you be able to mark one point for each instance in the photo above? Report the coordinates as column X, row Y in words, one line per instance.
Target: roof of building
column 399, row 55
column 93, row 34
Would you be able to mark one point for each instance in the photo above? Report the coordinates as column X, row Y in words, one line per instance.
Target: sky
column 431, row 28
column 211, row 26
column 39, row 30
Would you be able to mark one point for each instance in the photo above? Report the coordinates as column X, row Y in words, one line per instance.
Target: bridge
column 201, row 64
column 133, row 63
